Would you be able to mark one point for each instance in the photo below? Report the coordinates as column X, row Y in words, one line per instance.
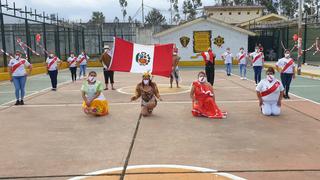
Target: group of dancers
column 270, row 91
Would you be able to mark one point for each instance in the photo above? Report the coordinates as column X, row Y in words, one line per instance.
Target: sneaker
column 241, row 78
column 21, row 102
column 17, row 103
column 288, row 97
column 54, row 89
column 106, row 88
column 244, row 78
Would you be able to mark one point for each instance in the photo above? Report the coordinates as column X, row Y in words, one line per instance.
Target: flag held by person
column 137, row 58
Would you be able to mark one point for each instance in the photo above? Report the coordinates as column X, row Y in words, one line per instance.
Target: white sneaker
column 241, row 78
column 245, row 78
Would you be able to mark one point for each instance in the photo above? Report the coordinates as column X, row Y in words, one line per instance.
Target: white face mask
column 72, row 55
column 17, row 57
column 286, row 55
column 270, row 78
column 241, row 51
column 92, row 79
column 51, row 55
column 202, row 79
column 257, row 50
column 146, row 81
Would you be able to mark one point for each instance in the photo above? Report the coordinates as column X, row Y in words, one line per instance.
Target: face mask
column 51, row 55
column 202, row 79
column 72, row 55
column 146, row 81
column 270, row 77
column 257, row 50
column 17, row 57
column 92, row 79
column 286, row 55
column 241, row 51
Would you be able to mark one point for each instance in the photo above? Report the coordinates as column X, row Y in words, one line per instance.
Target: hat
column 106, row 47
column 146, row 75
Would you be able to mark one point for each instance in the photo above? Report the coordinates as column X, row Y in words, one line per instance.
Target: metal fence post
column 28, row 40
column 44, row 35
column 83, row 40
column 5, row 61
column 305, row 39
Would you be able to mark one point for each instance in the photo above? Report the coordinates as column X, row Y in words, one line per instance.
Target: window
column 248, row 13
column 230, row 13
column 221, row 13
column 257, row 12
column 211, row 14
column 239, row 13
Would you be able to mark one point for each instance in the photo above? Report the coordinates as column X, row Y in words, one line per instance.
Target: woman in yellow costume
column 94, row 101
column 149, row 93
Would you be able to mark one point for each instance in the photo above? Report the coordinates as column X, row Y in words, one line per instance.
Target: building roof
column 202, row 19
column 217, row 7
column 267, row 18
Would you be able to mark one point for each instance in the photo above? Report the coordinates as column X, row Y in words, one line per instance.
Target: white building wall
column 232, row 38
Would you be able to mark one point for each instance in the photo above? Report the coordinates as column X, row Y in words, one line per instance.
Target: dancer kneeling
column 148, row 91
column 270, row 93
column 203, row 99
column 94, row 101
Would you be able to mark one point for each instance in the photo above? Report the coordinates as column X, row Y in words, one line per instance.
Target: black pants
column 286, row 81
column 108, row 75
column 210, row 72
column 53, row 76
column 73, row 71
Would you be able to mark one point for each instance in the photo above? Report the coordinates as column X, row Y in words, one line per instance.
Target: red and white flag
column 137, row 58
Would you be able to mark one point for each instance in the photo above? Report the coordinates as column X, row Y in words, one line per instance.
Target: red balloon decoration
column 295, row 37
column 38, row 38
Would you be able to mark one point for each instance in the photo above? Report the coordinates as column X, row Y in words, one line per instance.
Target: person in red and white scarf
column 227, row 57
column 209, row 59
column 286, row 67
column 18, row 75
column 72, row 61
column 83, row 61
column 257, row 63
column 242, row 57
column 270, row 93
column 53, row 64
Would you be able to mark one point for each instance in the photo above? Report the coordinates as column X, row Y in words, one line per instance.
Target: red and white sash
column 16, row 66
column 205, row 58
column 242, row 56
column 73, row 60
column 257, row 57
column 272, row 89
column 52, row 62
column 287, row 65
column 82, row 59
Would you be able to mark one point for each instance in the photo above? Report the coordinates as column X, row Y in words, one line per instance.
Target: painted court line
column 135, row 103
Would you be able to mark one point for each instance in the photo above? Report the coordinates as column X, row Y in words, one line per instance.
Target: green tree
column 189, row 8
column 97, row 18
column 155, row 17
column 176, row 16
column 116, row 20
column 130, row 20
column 271, row 6
column 289, row 7
column 123, row 4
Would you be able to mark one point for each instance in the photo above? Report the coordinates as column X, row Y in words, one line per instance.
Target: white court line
column 188, row 88
column 306, row 99
column 12, row 92
column 136, row 103
column 194, row 168
column 36, row 92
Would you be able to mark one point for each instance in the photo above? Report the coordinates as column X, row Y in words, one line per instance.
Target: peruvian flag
column 137, row 58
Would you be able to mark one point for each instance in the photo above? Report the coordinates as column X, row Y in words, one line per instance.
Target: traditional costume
column 52, row 67
column 105, row 60
column 72, row 60
column 204, row 102
column 99, row 105
column 242, row 61
column 19, row 76
column 287, row 66
column 148, row 91
column 175, row 74
column 209, row 59
column 257, row 63
column 269, row 90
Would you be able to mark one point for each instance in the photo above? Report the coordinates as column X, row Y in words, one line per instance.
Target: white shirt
column 259, row 61
column 282, row 63
column 84, row 62
column 20, row 71
column 54, row 66
column 227, row 57
column 264, row 84
column 244, row 59
column 74, row 64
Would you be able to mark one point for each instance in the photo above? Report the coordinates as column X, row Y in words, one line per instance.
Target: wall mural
column 219, row 41
column 184, row 40
column 201, row 41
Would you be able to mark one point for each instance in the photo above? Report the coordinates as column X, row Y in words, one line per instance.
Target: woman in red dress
column 203, row 100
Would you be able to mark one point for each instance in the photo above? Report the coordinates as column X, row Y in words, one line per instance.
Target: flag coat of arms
column 137, row 58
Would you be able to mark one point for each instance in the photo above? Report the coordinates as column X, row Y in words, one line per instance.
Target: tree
column 271, row 6
column 130, row 20
column 155, row 17
column 190, row 8
column 176, row 16
column 123, row 4
column 116, row 20
column 97, row 18
column 289, row 7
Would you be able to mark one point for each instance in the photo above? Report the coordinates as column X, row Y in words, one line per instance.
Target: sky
column 75, row 10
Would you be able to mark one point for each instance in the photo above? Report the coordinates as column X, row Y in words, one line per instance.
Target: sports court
column 51, row 138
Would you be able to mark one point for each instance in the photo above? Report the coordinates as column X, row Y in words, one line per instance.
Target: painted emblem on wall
column 184, row 40
column 143, row 58
column 219, row 41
